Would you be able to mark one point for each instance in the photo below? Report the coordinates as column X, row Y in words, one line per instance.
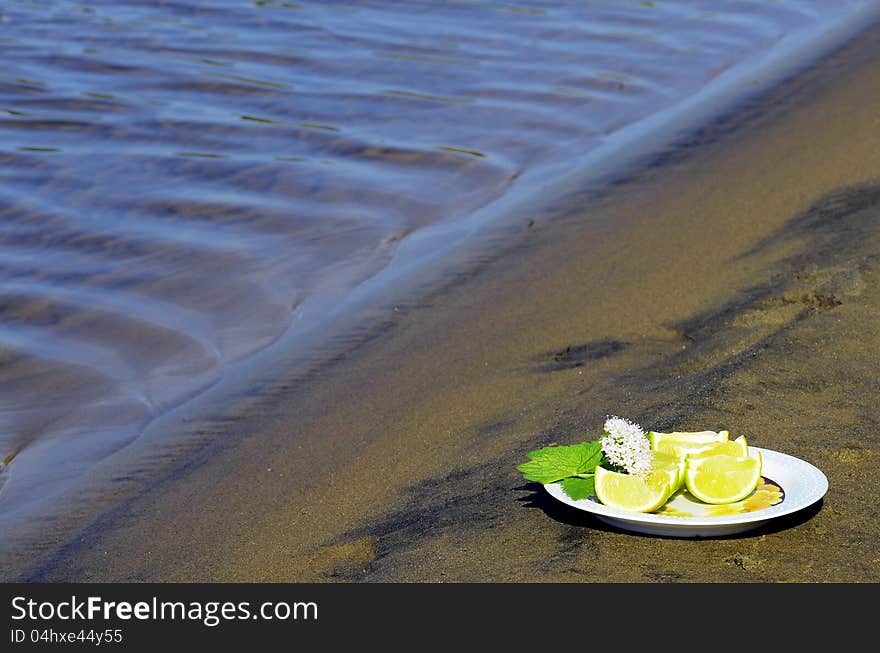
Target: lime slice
column 738, row 447
column 681, row 443
column 687, row 437
column 722, row 478
column 673, row 465
column 637, row 493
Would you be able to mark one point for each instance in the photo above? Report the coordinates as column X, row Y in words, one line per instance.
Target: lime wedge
column 673, row 465
column 722, row 478
column 737, row 447
column 637, row 493
column 681, row 443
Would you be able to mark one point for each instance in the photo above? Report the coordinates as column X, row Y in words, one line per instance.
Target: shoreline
column 452, row 432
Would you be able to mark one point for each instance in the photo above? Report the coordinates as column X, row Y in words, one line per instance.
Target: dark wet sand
column 732, row 283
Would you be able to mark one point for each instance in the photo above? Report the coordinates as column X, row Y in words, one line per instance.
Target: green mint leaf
column 578, row 488
column 552, row 464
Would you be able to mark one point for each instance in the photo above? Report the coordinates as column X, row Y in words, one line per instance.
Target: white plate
column 802, row 485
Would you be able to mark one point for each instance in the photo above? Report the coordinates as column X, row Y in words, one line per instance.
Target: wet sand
column 730, row 283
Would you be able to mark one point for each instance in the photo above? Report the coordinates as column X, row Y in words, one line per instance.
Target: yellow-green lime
column 634, row 492
column 722, row 478
column 681, row 443
column 689, row 436
column 737, row 447
column 674, row 465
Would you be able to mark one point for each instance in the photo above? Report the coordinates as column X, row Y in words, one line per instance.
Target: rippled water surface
column 179, row 179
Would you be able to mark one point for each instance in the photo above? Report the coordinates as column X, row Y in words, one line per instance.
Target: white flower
column 626, row 446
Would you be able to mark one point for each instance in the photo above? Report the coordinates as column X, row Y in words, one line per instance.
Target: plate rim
column 792, row 503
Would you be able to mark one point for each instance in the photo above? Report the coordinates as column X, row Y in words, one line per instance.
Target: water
column 179, row 180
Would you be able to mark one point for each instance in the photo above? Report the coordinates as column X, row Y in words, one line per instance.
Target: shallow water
column 179, row 179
